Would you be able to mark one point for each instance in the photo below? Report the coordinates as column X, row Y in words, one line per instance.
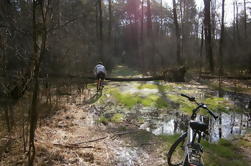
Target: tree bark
column 161, row 18
column 181, row 28
column 141, row 49
column 177, row 33
column 100, row 30
column 96, row 19
column 39, row 44
column 149, row 19
column 221, row 39
column 110, row 21
column 201, row 47
column 237, row 21
column 208, row 35
column 245, row 20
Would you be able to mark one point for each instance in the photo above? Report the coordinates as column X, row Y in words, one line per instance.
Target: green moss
column 103, row 120
column 169, row 139
column 147, row 86
column 217, row 104
column 149, row 100
column 117, row 118
column 130, row 100
column 185, row 105
column 127, row 99
column 223, row 153
column 161, row 103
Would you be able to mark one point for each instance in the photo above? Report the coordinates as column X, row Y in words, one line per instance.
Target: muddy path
column 74, row 136
column 134, row 124
column 125, row 125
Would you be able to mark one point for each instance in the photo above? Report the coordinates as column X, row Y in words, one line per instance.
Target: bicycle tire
column 98, row 84
column 173, row 148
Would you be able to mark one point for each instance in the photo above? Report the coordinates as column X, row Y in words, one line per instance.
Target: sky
column 228, row 7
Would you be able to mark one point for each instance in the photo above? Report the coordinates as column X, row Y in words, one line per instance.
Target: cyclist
column 100, row 73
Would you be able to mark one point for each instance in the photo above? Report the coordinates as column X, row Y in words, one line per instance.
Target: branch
column 66, row 23
column 73, row 146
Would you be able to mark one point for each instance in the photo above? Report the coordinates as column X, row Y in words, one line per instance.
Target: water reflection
column 231, row 124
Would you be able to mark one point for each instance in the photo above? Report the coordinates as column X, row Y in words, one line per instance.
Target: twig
column 94, row 140
column 73, row 146
column 123, row 133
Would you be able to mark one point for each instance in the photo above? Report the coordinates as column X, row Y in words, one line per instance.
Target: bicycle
column 189, row 142
column 100, row 84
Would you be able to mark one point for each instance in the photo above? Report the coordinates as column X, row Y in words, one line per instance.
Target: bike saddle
column 198, row 126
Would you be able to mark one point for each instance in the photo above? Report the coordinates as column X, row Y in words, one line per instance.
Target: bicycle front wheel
column 175, row 155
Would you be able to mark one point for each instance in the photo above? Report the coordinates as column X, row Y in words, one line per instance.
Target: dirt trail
column 74, row 137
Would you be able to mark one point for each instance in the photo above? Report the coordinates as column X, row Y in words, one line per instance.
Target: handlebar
column 212, row 114
column 200, row 105
column 189, row 98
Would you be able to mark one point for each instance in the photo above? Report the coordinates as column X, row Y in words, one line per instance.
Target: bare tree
column 142, row 36
column 245, row 19
column 149, row 19
column 201, row 47
column 222, row 38
column 40, row 11
column 177, row 30
column 110, row 21
column 208, row 35
column 100, row 29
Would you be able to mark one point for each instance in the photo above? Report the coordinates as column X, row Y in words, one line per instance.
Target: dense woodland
column 43, row 40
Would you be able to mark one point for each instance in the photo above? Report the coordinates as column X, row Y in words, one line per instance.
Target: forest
column 164, row 60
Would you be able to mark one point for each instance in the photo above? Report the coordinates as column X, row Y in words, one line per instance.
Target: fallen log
column 226, row 77
column 131, row 79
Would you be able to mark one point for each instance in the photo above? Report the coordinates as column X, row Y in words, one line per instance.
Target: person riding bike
column 100, row 73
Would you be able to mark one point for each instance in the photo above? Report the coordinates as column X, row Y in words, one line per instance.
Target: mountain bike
column 100, row 84
column 188, row 146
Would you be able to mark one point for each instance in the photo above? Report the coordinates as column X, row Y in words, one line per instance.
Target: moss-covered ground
column 162, row 95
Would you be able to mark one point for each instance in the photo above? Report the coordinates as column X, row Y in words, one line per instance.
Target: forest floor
column 121, row 127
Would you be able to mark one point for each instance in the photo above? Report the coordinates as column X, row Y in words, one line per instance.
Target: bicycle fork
column 193, row 151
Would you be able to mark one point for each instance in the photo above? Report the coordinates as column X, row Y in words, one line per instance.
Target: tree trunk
column 100, row 31
column 245, row 20
column 110, row 21
column 175, row 19
column 181, row 27
column 96, row 19
column 221, row 39
column 39, row 44
column 7, row 119
column 141, row 49
column 201, row 48
column 213, row 14
column 237, row 22
column 149, row 19
column 150, row 35
column 208, row 36
column 161, row 18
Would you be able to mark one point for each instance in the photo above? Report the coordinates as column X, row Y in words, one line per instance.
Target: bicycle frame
column 192, row 147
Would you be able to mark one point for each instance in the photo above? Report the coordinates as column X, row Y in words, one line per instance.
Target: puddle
column 232, row 123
